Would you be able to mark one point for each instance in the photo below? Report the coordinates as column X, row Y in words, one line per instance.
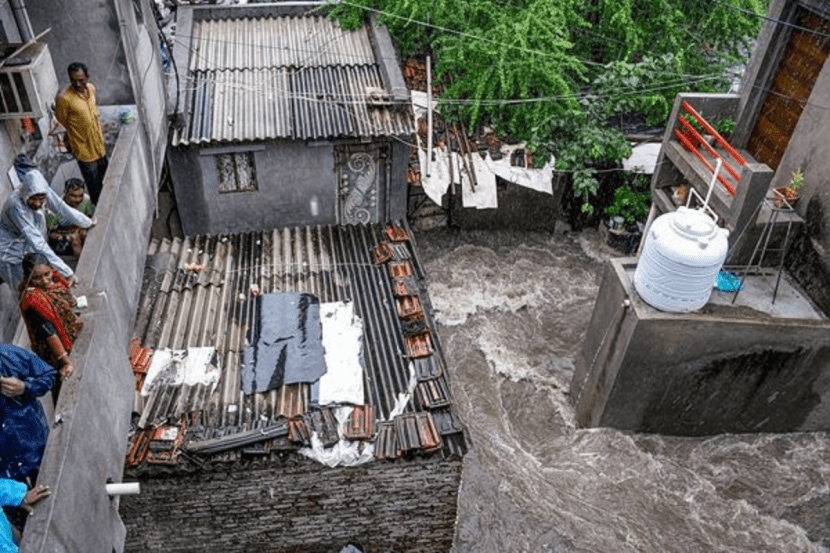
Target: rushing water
column 512, row 310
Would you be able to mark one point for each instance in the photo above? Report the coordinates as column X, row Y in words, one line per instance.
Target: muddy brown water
column 512, row 309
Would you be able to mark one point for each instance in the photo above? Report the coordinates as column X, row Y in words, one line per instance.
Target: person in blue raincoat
column 16, row 494
column 23, row 429
column 23, row 226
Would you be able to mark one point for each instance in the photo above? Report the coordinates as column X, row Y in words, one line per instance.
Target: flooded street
column 512, row 310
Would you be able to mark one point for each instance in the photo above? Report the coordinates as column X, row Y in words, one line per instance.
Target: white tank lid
column 693, row 223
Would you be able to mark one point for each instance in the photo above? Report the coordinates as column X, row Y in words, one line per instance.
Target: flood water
column 512, row 310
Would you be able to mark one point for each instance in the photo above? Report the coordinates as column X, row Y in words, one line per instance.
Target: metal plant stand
column 778, row 207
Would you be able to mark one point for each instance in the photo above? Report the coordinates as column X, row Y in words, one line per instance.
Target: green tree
column 556, row 73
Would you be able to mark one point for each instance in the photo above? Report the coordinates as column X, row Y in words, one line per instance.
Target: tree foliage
column 555, row 73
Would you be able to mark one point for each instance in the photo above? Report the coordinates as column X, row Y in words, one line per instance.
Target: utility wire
column 773, row 20
column 688, row 79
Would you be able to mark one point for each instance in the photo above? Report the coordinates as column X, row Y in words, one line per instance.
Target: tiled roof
column 285, row 77
column 201, row 292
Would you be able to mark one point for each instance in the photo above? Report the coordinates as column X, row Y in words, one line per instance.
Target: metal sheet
column 300, row 78
column 211, row 303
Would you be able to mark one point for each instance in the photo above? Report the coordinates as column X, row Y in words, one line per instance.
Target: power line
column 287, row 94
column 460, row 33
column 688, row 79
column 773, row 20
column 682, row 80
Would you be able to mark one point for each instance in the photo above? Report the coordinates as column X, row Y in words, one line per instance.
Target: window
column 236, row 172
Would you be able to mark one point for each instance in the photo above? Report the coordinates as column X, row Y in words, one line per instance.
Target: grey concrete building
column 286, row 118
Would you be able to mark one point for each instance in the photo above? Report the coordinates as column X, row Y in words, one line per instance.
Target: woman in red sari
column 48, row 307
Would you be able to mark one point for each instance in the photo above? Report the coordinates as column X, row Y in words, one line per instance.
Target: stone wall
column 519, row 208
column 296, row 504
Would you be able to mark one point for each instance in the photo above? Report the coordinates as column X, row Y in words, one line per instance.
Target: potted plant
column 723, row 124
column 786, row 196
column 630, row 205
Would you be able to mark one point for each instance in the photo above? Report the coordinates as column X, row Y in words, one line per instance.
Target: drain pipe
column 21, row 18
column 123, row 488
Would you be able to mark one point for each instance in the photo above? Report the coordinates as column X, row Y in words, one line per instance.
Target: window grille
column 236, row 172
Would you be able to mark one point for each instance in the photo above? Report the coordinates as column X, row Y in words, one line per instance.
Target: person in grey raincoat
column 23, row 226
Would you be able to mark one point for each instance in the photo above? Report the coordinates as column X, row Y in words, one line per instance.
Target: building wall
column 398, row 188
column 9, row 146
column 296, row 504
column 88, row 31
column 298, row 185
column 702, row 373
column 808, row 149
column 294, row 181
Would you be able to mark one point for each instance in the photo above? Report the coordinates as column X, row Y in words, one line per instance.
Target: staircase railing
column 691, row 138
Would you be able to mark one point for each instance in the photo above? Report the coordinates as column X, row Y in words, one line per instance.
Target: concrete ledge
column 88, row 435
column 723, row 369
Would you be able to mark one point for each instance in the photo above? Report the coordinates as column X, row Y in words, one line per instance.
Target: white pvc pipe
column 718, row 164
column 123, row 488
column 429, row 116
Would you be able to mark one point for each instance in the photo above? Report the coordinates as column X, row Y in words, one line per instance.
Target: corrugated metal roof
column 287, row 77
column 197, row 292
column 261, row 43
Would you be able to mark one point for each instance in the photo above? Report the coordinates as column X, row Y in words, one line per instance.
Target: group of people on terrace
column 41, row 236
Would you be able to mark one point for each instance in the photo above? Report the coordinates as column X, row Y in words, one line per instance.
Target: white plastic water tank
column 682, row 255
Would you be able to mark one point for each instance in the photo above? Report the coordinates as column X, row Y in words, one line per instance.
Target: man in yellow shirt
column 77, row 111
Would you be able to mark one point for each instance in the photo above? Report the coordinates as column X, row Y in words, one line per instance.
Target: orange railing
column 689, row 136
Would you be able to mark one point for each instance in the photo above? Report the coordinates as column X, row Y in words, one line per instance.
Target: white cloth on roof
column 343, row 344
column 191, row 366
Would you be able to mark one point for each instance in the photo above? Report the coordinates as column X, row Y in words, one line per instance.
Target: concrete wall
column 88, row 31
column 9, row 146
column 87, row 441
column 808, row 149
column 290, row 176
column 726, row 369
column 296, row 504
column 139, row 35
column 297, row 186
column 519, row 208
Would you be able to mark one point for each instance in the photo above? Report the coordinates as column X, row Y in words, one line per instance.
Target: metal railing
column 693, row 140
